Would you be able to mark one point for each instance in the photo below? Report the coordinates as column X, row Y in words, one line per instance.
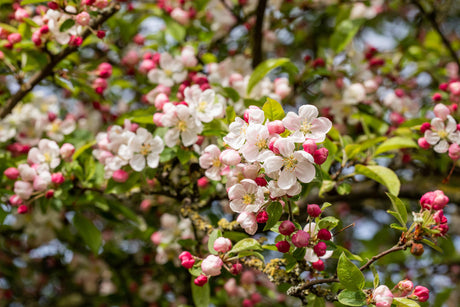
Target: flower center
column 216, row 162
column 168, row 72
column 305, row 127
column 145, row 149
column 202, row 106
column 442, row 134
column 261, row 143
column 289, row 163
column 47, row 157
column 248, row 199
column 182, row 126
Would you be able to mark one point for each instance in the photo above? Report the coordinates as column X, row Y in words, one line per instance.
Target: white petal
column 287, row 179
column 273, row 164
column 137, row 162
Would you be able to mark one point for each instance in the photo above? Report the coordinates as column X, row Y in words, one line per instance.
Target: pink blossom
column 212, row 265
column 23, row 189
column 222, row 245
column 230, row 157
column 246, row 196
column 210, row 161
column 83, row 18
column 247, row 221
column 307, row 124
column 120, row 176
column 382, row 296
column 11, row 173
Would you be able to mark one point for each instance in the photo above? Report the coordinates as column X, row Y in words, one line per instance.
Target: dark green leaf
column 274, row 211
column 349, row 274
column 352, row 298
column 66, row 25
column 400, row 209
column 90, row 234
column 382, row 175
column 201, row 295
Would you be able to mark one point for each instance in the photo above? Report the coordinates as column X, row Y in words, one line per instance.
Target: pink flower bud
column 382, row 296
column 454, row 151
column 404, row 287
column 222, row 245
column 188, row 263
column 40, row 183
column 57, row 178
column 49, row 194
column 399, row 92
column 454, row 88
column 320, row 249
column 156, row 239
column 230, row 157
column 301, row 238
column 324, row 234
column 236, row 269
column 247, row 303
column 261, row 181
column 83, row 18
column 104, row 70
column 276, row 127
column 160, row 101
column 203, row 182
column 313, row 210
column 272, row 146
column 247, row 221
column 185, row 255
column 66, row 151
column 310, row 146
column 283, row 246
column 425, row 127
column 443, row 86
column 53, row 5
column 286, row 228
column 423, row 143
column 20, row 14
column 262, row 217
column 256, row 298
column 120, row 176
column 22, row 209
column 211, row 265
column 320, row 155
column 157, row 119
column 201, row 280
column 138, row 39
column 441, row 111
column 145, row 205
column 439, row 217
column 14, row 38
column 318, row 265
column 11, row 173
column 15, row 200
column 180, row 15
column 421, row 294
column 146, row 66
column 436, row 97
column 440, row 200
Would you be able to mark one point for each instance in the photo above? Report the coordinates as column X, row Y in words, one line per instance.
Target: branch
column 431, row 17
column 48, row 69
column 257, row 38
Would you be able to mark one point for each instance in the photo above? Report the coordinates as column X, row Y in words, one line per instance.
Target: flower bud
column 318, row 265
column 83, row 19
column 49, row 194
column 310, row 146
column 439, row 217
column 230, row 157
column 421, row 294
column 23, row 209
column 276, row 127
column 320, row 155
column 454, row 151
column 11, row 173
column 247, row 303
column 201, row 280
column 157, row 119
column 422, row 142
column 440, row 200
column 236, row 269
column 57, row 178
column 425, row 127
column 188, row 263
column 262, row 217
column 40, row 183
column 202, row 182
column 211, row 265
column 417, row 249
column 120, row 176
column 23, row 189
column 66, row 151
column 104, row 70
column 156, row 239
column 441, row 111
column 261, row 181
column 286, row 228
column 313, row 210
column 15, row 200
column 283, row 246
column 320, row 249
column 247, row 221
column 100, row 34
column 256, row 298
column 382, row 296
column 14, row 38
column 436, row 97
column 300, row 238
column 324, row 234
column 404, row 287
column 222, row 245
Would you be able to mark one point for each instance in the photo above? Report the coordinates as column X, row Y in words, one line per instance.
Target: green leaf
column 273, row 110
column 328, row 222
column 349, row 274
column 230, row 114
column 24, row 2
column 326, row 186
column 8, row 27
column 66, row 25
column 251, row 253
column 274, row 211
column 145, row 119
column 175, row 30
column 376, row 275
column 201, row 295
column 90, row 234
column 432, row 245
column 344, row 33
column 315, row 301
column 352, row 298
column 405, row 302
column 216, row 233
column 232, row 94
column 325, row 205
column 344, row 188
column 184, row 156
column 265, row 67
column 396, row 142
column 299, row 253
column 400, row 209
column 246, row 244
column 382, row 175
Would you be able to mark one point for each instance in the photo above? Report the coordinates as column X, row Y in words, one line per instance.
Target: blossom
column 256, row 146
column 182, row 123
column 248, row 222
column 382, row 296
column 210, row 161
column 440, row 134
column 171, row 72
column 205, row 105
column 246, row 196
column 141, row 147
column 310, row 254
column 212, row 265
column 46, row 153
column 293, row 164
column 307, row 124
column 237, row 133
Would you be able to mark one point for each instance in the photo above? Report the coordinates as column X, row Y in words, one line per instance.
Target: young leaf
column 90, row 234
column 344, row 33
column 432, row 245
column 405, row 302
column 349, row 274
column 201, row 295
column 376, row 276
column 328, row 222
column 395, row 143
column 265, row 67
column 216, row 233
column 382, row 175
column 66, row 25
column 400, row 208
column 274, row 211
column 352, row 298
column 273, row 110
column 246, row 244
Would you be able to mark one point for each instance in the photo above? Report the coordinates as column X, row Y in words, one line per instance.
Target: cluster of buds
column 103, row 72
column 311, row 237
column 212, row 264
column 433, row 203
column 382, row 296
column 37, row 178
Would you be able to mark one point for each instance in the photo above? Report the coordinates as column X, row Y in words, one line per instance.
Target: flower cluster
column 38, row 177
column 431, row 216
column 382, row 296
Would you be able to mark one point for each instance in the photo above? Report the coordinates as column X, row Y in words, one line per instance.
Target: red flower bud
column 324, row 234
column 283, row 246
column 320, row 249
column 262, row 217
column 300, row 238
column 286, row 228
column 318, row 265
column 200, row 281
column 313, row 210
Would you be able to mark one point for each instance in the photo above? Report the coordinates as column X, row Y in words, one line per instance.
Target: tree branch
column 431, row 17
column 258, row 37
column 56, row 59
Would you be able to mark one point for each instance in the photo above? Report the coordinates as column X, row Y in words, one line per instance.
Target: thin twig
column 257, row 36
column 56, row 59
